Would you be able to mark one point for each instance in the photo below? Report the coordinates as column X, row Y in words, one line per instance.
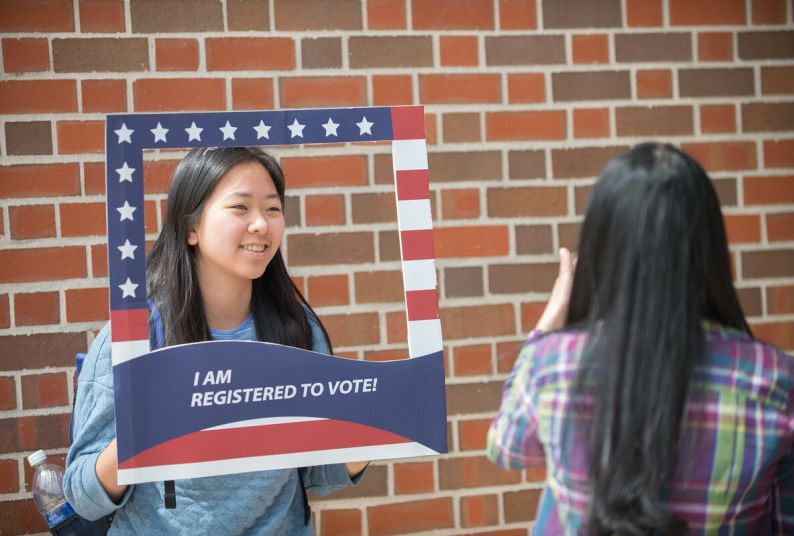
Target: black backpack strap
column 170, row 494
column 307, row 509
column 156, row 338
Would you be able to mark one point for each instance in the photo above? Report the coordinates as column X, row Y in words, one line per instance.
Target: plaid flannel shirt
column 735, row 466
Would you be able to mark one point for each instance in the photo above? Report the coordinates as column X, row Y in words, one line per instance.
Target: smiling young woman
column 234, row 240
column 214, row 273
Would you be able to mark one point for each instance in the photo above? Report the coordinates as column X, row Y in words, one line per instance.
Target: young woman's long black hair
column 276, row 303
column 652, row 264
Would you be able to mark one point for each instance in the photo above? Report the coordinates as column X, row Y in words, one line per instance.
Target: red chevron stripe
column 229, row 443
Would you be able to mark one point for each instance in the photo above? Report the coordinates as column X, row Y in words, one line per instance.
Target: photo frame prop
column 224, row 407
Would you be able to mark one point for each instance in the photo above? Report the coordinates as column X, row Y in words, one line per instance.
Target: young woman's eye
column 274, row 209
column 239, row 207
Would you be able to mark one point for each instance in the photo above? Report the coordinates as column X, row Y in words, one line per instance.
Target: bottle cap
column 37, row 457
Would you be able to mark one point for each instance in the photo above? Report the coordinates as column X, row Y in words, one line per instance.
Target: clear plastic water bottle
column 50, row 502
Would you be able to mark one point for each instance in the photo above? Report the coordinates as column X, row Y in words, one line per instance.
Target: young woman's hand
column 107, row 465
column 556, row 310
column 354, row 468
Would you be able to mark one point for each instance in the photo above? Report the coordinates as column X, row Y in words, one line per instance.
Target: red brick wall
column 526, row 101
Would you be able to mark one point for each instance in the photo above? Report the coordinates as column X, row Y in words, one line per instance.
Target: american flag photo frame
column 320, row 409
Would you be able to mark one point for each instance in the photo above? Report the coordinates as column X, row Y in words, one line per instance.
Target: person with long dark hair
column 214, row 273
column 642, row 389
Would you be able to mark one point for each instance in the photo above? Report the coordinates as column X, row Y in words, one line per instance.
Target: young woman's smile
column 255, row 248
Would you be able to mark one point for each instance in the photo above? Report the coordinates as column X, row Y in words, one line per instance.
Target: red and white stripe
column 415, row 224
column 129, row 334
column 265, row 444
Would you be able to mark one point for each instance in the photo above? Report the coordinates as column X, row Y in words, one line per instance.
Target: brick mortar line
column 5, row 237
column 749, row 210
column 467, row 147
column 571, row 217
column 453, row 492
column 375, row 266
column 18, row 390
column 763, row 284
column 38, row 412
column 568, row 39
column 456, row 514
column 85, row 327
column 666, row 14
column 225, row 15
column 350, row 72
column 362, row 13
column 540, row 31
column 78, row 26
column 21, row 494
column 497, row 14
column 481, row 56
column 571, row 198
column 417, row 73
column 298, row 43
column 440, row 185
column 54, row 329
column 57, row 217
column 271, row 15
column 765, row 301
column 764, row 232
column 487, row 299
column 81, row 170
column 127, row 20
column 3, row 148
column 555, row 237
column 444, row 109
column 456, row 493
column 456, row 108
column 435, row 51
column 60, row 284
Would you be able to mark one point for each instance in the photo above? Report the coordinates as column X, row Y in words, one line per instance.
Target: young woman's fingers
column 556, row 310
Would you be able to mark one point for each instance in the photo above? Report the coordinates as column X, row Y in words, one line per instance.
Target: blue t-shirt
column 262, row 502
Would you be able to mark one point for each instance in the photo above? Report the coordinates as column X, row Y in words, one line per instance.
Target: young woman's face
column 240, row 227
